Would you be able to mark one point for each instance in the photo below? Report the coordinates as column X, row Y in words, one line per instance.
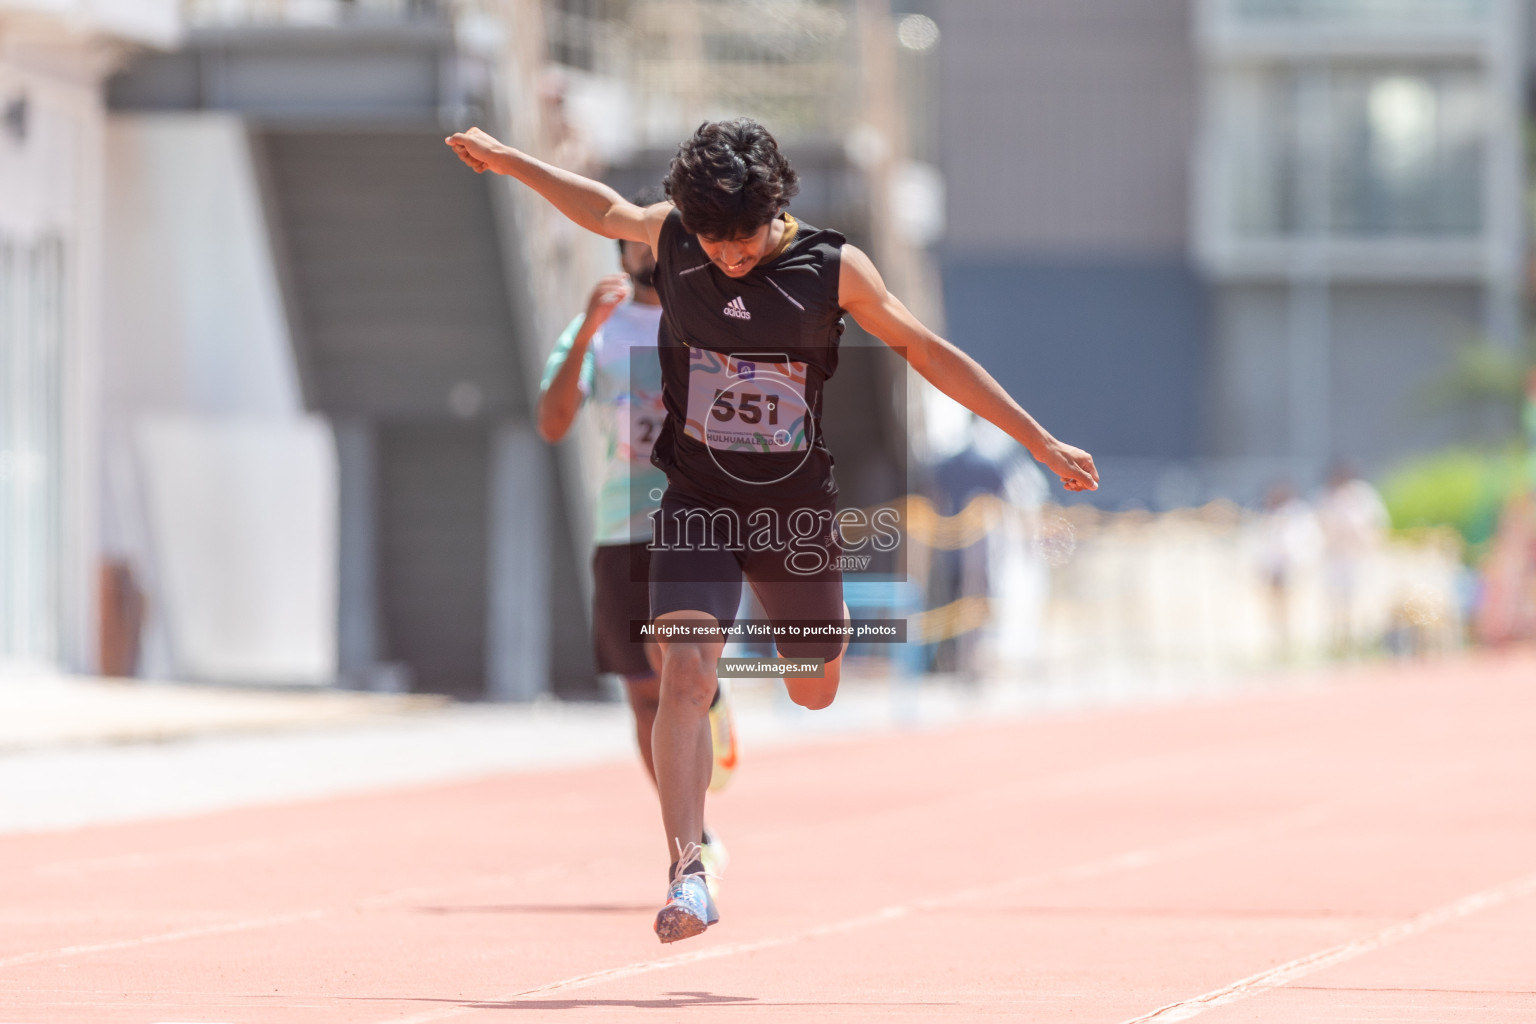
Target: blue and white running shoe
column 690, row 909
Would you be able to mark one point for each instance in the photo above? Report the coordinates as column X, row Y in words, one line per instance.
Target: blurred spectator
column 122, row 619
column 1289, row 539
column 568, row 147
column 992, row 466
column 1528, row 421
column 1507, row 610
column 1354, row 522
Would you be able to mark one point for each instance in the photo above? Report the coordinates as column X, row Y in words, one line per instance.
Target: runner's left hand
column 605, row 298
column 1073, row 465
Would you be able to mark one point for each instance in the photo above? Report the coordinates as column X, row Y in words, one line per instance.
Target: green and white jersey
column 626, row 399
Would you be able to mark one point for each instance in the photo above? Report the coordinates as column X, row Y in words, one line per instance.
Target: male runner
column 608, row 354
column 752, row 306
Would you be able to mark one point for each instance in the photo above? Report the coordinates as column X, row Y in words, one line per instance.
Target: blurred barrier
column 948, row 621
column 1184, row 591
column 1187, row 590
column 981, row 516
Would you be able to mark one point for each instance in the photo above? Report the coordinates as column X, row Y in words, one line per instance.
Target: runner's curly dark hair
column 730, row 179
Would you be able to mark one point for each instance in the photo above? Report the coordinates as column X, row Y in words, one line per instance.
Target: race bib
column 747, row 402
column 640, row 418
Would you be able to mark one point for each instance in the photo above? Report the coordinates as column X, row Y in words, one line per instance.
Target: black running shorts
column 620, row 595
column 789, row 555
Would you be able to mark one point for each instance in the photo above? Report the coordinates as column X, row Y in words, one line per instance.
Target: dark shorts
column 620, row 595
column 707, row 550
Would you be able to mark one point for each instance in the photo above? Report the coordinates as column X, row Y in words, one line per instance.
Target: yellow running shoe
column 716, row 858
column 722, row 735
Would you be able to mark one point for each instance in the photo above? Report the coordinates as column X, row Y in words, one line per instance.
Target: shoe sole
column 674, row 924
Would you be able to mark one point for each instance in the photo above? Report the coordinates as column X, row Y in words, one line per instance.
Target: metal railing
column 231, row 13
column 1390, row 14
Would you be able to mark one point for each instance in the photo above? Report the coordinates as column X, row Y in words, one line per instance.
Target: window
column 32, row 325
column 1407, row 154
column 1352, row 153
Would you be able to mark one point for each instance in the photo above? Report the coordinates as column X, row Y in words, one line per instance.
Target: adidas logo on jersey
column 738, row 309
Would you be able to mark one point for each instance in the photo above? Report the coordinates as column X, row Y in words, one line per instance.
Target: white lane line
column 1128, row 861
column 1303, row 966
column 178, row 935
column 210, row 854
column 1089, row 869
column 1069, row 780
column 379, row 901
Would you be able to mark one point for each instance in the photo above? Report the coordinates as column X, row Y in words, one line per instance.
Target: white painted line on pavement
column 173, row 936
column 1286, row 973
column 375, row 902
column 1127, row 861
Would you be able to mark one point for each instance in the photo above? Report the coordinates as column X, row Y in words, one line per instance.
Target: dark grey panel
column 359, row 71
column 396, row 272
column 1107, row 355
column 1250, row 372
column 865, row 424
column 1068, row 125
column 1389, row 345
column 162, row 81
column 433, row 520
column 276, row 84
column 572, row 668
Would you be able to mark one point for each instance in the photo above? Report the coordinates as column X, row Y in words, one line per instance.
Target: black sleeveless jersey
column 743, row 362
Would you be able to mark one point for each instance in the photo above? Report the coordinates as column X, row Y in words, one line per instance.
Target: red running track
column 1360, row 851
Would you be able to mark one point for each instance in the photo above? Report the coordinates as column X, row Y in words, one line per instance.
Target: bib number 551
column 746, row 409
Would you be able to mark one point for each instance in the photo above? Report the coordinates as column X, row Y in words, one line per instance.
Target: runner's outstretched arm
column 862, row 292
column 589, row 204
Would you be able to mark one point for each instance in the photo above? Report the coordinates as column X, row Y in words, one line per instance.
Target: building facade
column 1220, row 242
column 1066, row 128
column 53, row 58
column 1359, row 215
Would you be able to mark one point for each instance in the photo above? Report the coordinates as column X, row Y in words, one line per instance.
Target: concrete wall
column 1108, row 354
column 221, row 490
column 1067, row 129
column 1068, row 136
column 53, row 54
column 1067, row 126
column 1389, row 343
column 195, row 321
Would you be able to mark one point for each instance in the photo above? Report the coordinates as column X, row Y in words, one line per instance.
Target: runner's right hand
column 475, row 147
column 605, row 298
